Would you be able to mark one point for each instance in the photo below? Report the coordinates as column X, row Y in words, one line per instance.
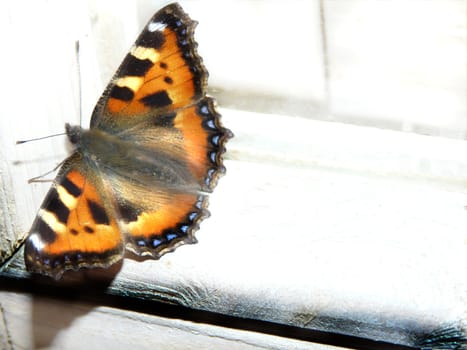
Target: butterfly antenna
column 78, row 71
column 40, row 138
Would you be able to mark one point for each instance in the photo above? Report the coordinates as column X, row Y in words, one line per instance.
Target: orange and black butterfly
column 138, row 179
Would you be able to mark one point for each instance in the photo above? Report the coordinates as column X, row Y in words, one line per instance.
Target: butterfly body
column 115, row 156
column 138, row 179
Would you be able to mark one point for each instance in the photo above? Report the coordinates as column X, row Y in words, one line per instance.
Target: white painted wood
column 399, row 64
column 262, row 47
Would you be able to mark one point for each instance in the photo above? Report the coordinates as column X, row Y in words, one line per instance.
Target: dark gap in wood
column 96, row 294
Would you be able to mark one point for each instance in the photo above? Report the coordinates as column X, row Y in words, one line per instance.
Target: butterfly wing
column 156, row 101
column 73, row 229
column 156, row 222
column 161, row 73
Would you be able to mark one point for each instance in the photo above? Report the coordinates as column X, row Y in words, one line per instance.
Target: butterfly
column 139, row 177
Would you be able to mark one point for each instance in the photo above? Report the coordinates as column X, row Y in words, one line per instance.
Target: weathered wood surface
column 318, row 225
column 31, row 322
column 304, row 233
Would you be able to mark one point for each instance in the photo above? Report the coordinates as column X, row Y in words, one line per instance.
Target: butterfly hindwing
column 156, row 222
column 73, row 228
column 161, row 229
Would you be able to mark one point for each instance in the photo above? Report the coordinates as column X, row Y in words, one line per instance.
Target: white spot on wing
column 36, row 241
column 134, row 83
column 67, row 199
column 145, row 53
column 153, row 26
column 52, row 221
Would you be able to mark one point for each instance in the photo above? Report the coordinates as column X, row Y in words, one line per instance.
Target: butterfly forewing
column 161, row 73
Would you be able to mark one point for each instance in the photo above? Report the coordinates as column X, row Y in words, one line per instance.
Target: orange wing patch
column 72, row 229
column 195, row 140
column 203, row 139
column 154, row 233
